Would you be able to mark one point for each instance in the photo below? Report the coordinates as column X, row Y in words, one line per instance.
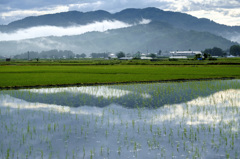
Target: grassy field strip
column 56, row 75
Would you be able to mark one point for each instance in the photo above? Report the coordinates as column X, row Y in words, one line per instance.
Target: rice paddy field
column 158, row 120
column 16, row 76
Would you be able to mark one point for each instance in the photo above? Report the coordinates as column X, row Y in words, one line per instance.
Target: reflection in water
column 203, row 110
column 130, row 96
column 101, row 91
column 186, row 120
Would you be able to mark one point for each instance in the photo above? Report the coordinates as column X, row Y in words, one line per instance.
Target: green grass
column 25, row 75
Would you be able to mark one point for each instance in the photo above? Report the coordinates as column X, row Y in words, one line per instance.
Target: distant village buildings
column 184, row 54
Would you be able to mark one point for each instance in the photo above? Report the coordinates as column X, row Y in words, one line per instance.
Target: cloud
column 223, row 16
column 220, row 11
column 44, row 31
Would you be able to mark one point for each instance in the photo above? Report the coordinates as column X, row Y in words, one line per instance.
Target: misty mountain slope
column 176, row 19
column 149, row 37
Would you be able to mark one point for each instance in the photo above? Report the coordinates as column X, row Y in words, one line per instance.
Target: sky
column 221, row 11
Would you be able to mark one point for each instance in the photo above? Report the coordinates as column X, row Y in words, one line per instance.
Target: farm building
column 178, row 57
column 145, row 58
column 112, row 56
column 125, row 58
column 185, row 53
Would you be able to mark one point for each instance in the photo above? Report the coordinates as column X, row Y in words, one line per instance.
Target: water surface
column 160, row 120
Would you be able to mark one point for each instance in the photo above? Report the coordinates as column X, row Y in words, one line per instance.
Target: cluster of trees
column 83, row 55
column 137, row 55
column 215, row 51
column 235, row 50
column 120, row 54
column 51, row 54
column 99, row 55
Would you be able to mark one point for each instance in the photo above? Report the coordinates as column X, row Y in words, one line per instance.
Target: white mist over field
column 44, row 31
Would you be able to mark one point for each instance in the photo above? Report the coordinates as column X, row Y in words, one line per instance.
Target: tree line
column 51, row 54
column 215, row 51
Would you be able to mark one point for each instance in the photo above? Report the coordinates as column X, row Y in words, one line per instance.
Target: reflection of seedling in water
column 108, row 151
column 83, row 151
column 101, row 151
column 119, row 150
column 106, row 133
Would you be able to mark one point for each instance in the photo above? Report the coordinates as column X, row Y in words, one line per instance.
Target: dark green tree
column 137, row 55
column 235, row 50
column 207, row 51
column 217, row 51
column 83, row 55
column 152, row 55
column 214, row 51
column 120, row 54
column 205, row 55
column 197, row 56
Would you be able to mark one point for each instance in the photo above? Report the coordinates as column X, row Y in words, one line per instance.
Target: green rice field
column 51, row 75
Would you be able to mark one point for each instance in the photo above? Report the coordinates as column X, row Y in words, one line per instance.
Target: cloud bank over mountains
column 220, row 11
column 44, row 31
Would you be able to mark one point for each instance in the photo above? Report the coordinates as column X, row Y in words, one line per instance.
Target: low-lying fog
column 44, row 31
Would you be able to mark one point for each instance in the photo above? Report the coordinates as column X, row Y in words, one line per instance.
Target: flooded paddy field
column 159, row 120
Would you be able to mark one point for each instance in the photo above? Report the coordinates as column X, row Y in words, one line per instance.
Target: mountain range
column 166, row 31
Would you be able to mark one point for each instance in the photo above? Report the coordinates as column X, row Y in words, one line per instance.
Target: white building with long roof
column 185, row 53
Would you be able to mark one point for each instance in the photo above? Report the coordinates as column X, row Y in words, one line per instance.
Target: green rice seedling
column 106, row 133
column 73, row 154
column 185, row 132
column 23, row 138
column 159, row 132
column 227, row 155
column 49, row 127
column 133, row 123
column 50, row 155
column 236, row 154
column 81, row 130
column 108, row 151
column 27, row 154
column 101, row 151
column 84, row 151
column 64, row 127
column 150, row 127
column 54, row 126
column 119, row 150
column 8, row 153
